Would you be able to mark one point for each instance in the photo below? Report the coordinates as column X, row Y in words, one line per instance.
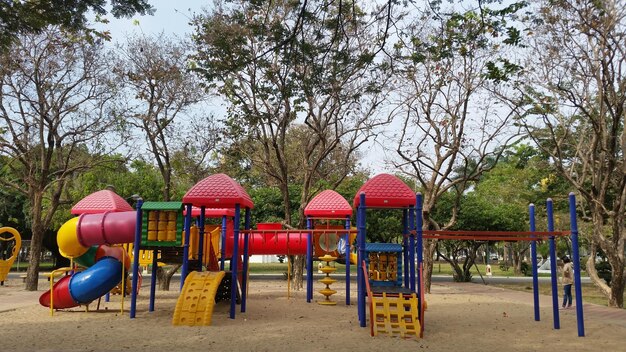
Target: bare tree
column 54, row 122
column 301, row 70
column 164, row 102
column 577, row 100
column 452, row 129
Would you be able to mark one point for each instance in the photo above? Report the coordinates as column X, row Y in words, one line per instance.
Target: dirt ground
column 456, row 320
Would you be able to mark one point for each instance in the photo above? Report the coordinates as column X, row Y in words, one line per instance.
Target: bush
column 526, row 269
column 604, row 271
column 504, row 266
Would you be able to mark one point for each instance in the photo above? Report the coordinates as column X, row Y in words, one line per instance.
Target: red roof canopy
column 100, row 202
column 218, row 191
column 385, row 191
column 328, row 204
column 211, row 212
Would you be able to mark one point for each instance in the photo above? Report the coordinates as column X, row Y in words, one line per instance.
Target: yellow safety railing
column 52, row 276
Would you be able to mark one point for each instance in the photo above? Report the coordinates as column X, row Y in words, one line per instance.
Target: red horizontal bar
column 302, row 231
column 484, row 238
column 496, row 233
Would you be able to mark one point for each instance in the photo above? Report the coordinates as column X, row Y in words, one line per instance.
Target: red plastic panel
column 328, row 204
column 100, row 202
column 218, row 191
column 269, row 226
column 270, row 243
column 210, row 212
column 385, row 191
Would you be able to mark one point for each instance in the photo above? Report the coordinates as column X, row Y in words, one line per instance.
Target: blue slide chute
column 89, row 285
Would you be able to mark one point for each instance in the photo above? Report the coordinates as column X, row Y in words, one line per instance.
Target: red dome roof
column 328, row 204
column 385, row 191
column 100, row 202
column 218, row 191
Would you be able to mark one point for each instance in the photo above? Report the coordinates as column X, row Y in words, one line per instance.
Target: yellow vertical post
column 288, row 276
column 123, row 280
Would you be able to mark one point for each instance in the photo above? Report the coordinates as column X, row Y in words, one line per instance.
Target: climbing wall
column 197, row 299
column 395, row 315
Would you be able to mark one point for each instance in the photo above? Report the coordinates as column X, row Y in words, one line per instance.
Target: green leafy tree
column 23, row 17
column 302, row 88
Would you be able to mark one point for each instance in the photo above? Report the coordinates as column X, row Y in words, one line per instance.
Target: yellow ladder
column 395, row 315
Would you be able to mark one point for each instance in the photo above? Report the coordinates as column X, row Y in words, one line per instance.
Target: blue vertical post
column 533, row 255
column 405, row 246
column 223, row 244
column 153, row 279
column 234, row 263
column 419, row 223
column 309, row 262
column 361, row 256
column 246, row 260
column 201, row 234
column 133, row 295
column 183, row 272
column 576, row 259
column 348, row 261
column 412, row 248
column 553, row 272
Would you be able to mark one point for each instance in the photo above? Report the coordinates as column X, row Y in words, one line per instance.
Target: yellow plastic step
column 197, row 299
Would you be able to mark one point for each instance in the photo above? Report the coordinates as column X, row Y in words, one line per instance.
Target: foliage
column 575, row 100
column 454, row 64
column 161, row 98
column 55, row 121
column 18, row 17
column 300, row 85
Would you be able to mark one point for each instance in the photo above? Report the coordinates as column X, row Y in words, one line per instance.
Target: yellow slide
column 197, row 299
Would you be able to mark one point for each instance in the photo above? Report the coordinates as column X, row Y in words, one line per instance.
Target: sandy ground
column 457, row 320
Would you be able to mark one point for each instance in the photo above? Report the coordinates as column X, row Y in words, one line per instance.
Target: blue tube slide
column 85, row 286
column 102, row 277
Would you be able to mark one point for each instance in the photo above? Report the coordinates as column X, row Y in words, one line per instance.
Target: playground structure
column 92, row 240
column 389, row 281
column 164, row 232
column 531, row 236
column 389, row 275
column 389, row 303
column 11, row 243
column 326, row 207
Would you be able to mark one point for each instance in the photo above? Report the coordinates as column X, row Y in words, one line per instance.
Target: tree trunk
column 429, row 249
column 616, row 299
column 36, row 243
column 517, row 261
column 164, row 277
column 32, row 273
column 297, row 277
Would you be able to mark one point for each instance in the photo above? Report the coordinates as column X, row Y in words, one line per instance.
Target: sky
column 172, row 17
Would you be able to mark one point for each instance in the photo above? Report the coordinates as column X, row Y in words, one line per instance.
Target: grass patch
column 43, row 266
column 443, row 268
column 591, row 294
